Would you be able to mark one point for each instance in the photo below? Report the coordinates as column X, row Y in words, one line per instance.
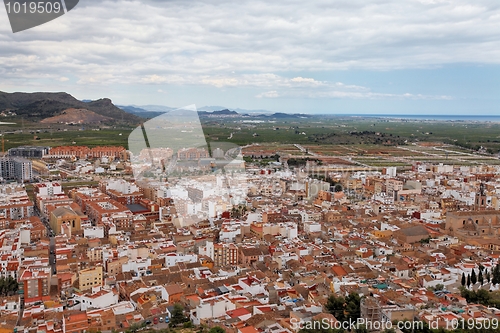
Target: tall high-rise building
column 16, row 168
column 35, row 279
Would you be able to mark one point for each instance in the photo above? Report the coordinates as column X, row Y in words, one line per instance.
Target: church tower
column 480, row 203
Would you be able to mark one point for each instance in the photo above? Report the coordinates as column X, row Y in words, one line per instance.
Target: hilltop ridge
column 42, row 105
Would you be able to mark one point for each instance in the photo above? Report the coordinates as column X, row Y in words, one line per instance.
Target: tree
column 177, row 315
column 488, row 276
column 217, row 329
column 353, row 306
column 468, row 281
column 463, row 279
column 439, row 286
column 335, row 306
column 425, row 240
column 473, row 278
column 344, row 309
column 480, row 278
column 496, row 275
column 8, row 286
column 481, row 296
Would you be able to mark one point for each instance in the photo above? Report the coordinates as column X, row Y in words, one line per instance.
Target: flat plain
column 364, row 141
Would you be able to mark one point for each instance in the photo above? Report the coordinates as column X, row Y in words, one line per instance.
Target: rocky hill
column 77, row 116
column 221, row 113
column 41, row 105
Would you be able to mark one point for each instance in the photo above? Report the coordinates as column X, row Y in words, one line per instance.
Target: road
column 52, row 255
column 305, row 150
column 232, row 153
column 52, row 241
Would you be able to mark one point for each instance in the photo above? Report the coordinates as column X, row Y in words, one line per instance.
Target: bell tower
column 480, row 203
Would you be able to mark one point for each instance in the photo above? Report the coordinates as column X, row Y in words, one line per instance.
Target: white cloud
column 250, row 43
column 268, row 94
column 333, row 92
column 308, row 81
column 154, row 79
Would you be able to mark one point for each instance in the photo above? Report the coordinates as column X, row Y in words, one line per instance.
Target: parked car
column 155, row 320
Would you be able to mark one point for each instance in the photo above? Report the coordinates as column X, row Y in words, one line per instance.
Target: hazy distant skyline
column 348, row 56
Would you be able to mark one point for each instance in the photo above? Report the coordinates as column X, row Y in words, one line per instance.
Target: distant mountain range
column 163, row 108
column 42, row 105
column 61, row 107
column 224, row 112
column 151, row 111
column 240, row 111
column 140, row 112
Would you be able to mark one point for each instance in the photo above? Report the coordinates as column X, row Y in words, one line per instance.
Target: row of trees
column 298, row 162
column 482, row 276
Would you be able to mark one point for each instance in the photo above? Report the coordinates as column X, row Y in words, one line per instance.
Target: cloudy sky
column 336, row 56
